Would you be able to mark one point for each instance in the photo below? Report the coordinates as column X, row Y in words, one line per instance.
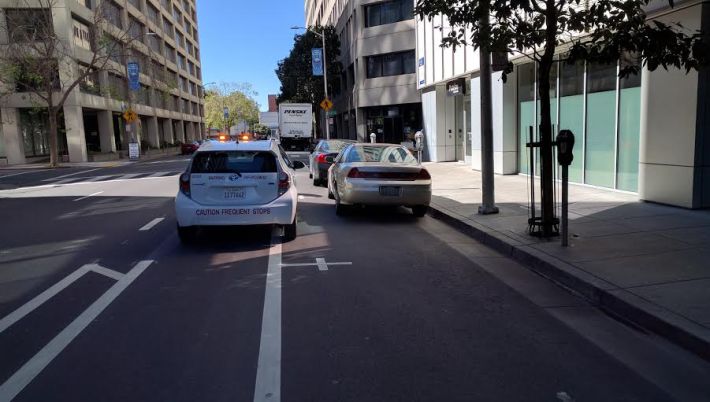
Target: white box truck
column 296, row 126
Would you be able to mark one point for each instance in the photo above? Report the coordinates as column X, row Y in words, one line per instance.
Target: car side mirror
column 298, row 165
column 330, row 159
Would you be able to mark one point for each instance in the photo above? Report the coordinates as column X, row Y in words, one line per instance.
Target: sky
column 242, row 41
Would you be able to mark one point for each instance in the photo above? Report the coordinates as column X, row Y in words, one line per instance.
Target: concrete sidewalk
column 645, row 262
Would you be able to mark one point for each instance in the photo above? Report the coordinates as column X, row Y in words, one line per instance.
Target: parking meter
column 565, row 145
column 373, row 138
column 419, row 140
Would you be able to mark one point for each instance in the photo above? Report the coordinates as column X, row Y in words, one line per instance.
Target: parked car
column 319, row 161
column 189, row 148
column 379, row 174
column 230, row 183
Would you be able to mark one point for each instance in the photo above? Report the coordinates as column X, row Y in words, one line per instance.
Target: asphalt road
column 100, row 301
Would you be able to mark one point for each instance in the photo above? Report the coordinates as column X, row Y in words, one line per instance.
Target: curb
column 600, row 293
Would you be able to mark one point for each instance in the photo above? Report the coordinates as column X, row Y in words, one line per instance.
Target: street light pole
column 325, row 73
column 325, row 83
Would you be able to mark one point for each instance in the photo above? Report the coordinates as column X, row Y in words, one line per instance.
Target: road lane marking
column 320, row 263
column 9, row 320
column 268, row 373
column 14, row 174
column 71, row 174
column 15, row 384
column 89, row 196
column 106, row 271
column 129, row 176
column 40, row 299
column 151, row 224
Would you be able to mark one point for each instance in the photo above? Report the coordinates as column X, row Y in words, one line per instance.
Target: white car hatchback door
column 234, row 178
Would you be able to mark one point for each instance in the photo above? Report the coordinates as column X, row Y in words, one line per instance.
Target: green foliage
column 261, row 129
column 298, row 85
column 601, row 32
column 240, row 101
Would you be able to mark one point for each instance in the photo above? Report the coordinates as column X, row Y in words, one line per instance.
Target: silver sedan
column 379, row 174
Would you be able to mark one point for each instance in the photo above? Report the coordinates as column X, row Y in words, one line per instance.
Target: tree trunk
column 53, row 137
column 546, row 159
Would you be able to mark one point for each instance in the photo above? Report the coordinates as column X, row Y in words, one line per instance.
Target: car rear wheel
column 317, row 182
column 290, row 231
column 187, row 234
column 420, row 210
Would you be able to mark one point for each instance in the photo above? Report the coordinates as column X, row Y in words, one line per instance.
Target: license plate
column 235, row 194
column 390, row 191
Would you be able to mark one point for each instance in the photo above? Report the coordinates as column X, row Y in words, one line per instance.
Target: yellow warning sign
column 130, row 116
column 326, row 104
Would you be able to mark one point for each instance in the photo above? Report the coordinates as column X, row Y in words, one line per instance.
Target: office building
column 644, row 134
column 169, row 103
column 377, row 91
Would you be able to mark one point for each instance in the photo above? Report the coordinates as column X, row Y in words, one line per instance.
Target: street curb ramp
column 607, row 296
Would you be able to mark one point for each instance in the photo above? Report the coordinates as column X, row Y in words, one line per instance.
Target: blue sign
column 317, row 56
column 134, row 73
column 421, row 61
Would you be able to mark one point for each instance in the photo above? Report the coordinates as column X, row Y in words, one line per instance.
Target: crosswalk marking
column 125, row 176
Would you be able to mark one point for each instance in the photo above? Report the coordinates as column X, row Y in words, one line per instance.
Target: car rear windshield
column 380, row 154
column 234, row 162
column 333, row 145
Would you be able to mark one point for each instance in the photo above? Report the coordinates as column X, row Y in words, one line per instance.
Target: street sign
column 134, row 151
column 226, row 113
column 130, row 116
column 326, row 104
column 134, row 72
column 317, row 58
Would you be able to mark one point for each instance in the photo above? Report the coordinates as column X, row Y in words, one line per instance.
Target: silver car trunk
column 234, row 178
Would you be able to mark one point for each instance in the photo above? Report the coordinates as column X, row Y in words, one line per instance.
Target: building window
column 153, row 14
column 90, row 83
column 27, row 25
column 168, row 28
column 388, row 12
column 35, row 132
column 113, row 14
column 135, row 3
column 390, row 64
column 135, row 29
column 82, row 35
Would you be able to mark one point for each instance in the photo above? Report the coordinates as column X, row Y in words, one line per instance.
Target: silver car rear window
column 380, row 154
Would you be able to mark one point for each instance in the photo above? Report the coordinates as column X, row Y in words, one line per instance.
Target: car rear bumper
column 281, row 211
column 367, row 192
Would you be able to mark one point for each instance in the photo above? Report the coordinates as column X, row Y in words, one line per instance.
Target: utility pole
column 487, row 206
column 325, row 83
column 325, row 72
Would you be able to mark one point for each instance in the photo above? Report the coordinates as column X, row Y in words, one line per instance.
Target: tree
column 238, row 98
column 42, row 65
column 261, row 130
column 298, row 85
column 600, row 32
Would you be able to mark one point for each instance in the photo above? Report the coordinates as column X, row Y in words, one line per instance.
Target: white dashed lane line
column 89, row 196
column 151, row 224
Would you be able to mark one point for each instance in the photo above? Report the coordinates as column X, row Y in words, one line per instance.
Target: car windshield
column 380, row 154
column 333, row 145
column 234, row 162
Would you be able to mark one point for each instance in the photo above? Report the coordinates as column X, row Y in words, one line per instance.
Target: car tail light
column 284, row 183
column 321, row 158
column 354, row 173
column 423, row 175
column 185, row 184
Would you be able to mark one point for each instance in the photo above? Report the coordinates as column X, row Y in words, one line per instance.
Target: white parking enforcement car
column 230, row 183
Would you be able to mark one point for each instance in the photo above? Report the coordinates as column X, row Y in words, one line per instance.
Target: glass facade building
column 601, row 109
